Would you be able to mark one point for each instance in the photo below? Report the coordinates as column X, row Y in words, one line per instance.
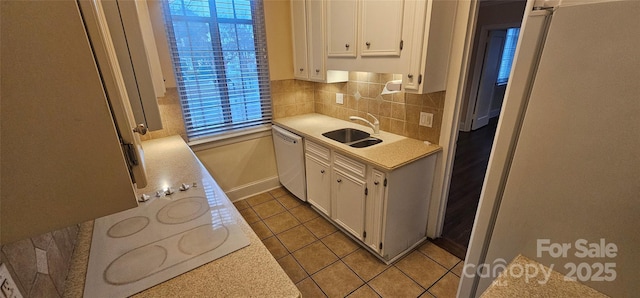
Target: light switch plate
column 426, row 119
column 339, row 98
column 8, row 287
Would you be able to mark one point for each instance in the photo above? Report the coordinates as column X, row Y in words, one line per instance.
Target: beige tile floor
column 323, row 262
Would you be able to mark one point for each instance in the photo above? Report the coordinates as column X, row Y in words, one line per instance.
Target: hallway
column 472, row 156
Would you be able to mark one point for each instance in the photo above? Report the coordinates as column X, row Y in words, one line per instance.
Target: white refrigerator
column 565, row 166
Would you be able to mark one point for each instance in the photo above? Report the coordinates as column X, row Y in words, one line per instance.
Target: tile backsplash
column 171, row 115
column 39, row 265
column 291, row 98
column 398, row 113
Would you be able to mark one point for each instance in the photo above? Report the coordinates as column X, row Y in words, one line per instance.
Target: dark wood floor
column 469, row 167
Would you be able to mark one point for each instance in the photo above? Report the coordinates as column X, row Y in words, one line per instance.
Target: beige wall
column 242, row 163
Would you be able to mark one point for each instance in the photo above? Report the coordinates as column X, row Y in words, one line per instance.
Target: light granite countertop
column 250, row 271
column 394, row 151
column 508, row 285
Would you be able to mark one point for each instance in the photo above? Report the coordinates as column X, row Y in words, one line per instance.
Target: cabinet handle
column 376, row 183
column 301, row 69
column 322, row 171
column 339, row 180
column 317, row 70
column 368, row 44
column 141, row 129
column 346, row 45
column 410, row 76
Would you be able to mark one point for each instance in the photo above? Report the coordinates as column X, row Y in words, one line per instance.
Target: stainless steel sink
column 366, row 143
column 346, row 135
column 353, row 137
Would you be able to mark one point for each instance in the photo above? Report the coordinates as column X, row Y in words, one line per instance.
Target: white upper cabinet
column 309, row 40
column 315, row 39
column 407, row 37
column 381, row 28
column 299, row 29
column 342, row 27
column 378, row 29
column 428, row 62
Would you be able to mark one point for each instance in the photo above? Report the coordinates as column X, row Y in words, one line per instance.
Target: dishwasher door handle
column 285, row 137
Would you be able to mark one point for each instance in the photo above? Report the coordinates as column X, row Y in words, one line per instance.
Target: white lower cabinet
column 385, row 210
column 349, row 202
column 318, row 183
column 375, row 207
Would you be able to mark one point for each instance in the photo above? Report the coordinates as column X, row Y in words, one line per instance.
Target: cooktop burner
column 135, row 264
column 128, row 227
column 166, row 236
column 183, row 210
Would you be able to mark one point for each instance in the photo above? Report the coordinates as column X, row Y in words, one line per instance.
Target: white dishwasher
column 290, row 161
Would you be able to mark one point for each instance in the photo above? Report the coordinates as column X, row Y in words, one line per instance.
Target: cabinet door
column 342, row 20
column 375, row 210
column 299, row 28
column 349, row 202
column 318, row 184
column 315, row 39
column 429, row 52
column 55, row 172
column 381, row 27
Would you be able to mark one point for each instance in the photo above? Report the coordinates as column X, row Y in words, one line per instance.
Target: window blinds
column 219, row 54
column 508, row 54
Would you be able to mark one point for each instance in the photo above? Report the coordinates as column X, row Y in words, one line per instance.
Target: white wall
column 503, row 13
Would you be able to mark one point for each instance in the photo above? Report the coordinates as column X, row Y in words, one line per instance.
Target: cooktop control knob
column 144, row 198
column 169, row 191
column 184, row 186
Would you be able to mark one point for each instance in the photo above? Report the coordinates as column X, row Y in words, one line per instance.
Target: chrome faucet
column 375, row 125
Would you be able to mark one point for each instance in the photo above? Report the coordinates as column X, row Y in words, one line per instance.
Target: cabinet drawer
column 356, row 167
column 319, row 151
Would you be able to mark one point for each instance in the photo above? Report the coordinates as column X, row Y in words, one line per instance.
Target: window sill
column 230, row 138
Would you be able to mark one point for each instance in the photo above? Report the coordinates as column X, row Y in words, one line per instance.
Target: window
column 507, row 55
column 218, row 49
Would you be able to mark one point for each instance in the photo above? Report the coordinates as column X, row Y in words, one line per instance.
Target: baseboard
column 494, row 113
column 253, row 188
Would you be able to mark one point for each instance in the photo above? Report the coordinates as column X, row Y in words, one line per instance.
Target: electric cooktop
column 171, row 232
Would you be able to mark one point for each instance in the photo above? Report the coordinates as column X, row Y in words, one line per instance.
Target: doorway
column 489, row 69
